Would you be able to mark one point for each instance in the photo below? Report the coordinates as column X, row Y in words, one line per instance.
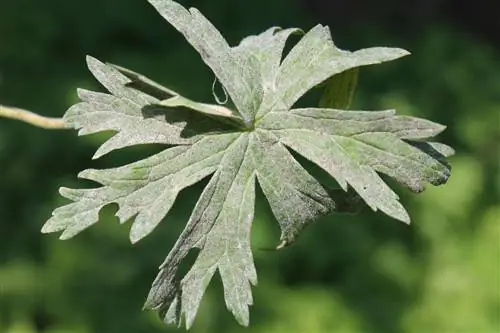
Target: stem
column 32, row 118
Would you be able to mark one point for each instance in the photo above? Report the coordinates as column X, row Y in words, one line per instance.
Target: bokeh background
column 347, row 274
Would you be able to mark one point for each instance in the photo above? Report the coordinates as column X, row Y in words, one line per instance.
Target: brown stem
column 32, row 118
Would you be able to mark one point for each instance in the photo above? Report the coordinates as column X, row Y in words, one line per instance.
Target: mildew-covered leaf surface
column 236, row 147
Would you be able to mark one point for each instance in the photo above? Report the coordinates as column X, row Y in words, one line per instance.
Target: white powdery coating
column 352, row 146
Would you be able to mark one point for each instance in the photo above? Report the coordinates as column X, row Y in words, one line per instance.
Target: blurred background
column 347, row 274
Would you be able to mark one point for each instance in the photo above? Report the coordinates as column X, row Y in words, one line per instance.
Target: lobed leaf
column 235, row 148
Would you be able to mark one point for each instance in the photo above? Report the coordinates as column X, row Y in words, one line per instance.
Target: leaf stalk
column 32, row 118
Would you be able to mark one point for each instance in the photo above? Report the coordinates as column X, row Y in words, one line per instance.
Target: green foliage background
column 363, row 273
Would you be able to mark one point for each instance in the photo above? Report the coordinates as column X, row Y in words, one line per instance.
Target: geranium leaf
column 236, row 148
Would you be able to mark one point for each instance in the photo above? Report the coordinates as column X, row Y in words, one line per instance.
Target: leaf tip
column 404, row 52
column 47, row 228
column 91, row 61
column 99, row 153
column 448, row 152
column 441, row 128
column 147, row 305
column 242, row 318
column 404, row 217
column 65, row 236
column 85, row 174
column 63, row 190
column 391, row 53
column 284, row 242
column 135, row 237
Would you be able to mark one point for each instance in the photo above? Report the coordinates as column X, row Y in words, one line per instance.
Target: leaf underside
column 237, row 148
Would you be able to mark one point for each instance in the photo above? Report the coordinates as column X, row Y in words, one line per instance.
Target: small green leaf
column 339, row 90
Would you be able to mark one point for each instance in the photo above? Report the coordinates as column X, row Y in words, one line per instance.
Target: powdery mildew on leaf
column 237, row 148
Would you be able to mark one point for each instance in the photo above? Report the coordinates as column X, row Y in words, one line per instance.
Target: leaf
column 120, row 112
column 313, row 60
column 339, row 90
column 238, row 72
column 171, row 98
column 236, row 148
